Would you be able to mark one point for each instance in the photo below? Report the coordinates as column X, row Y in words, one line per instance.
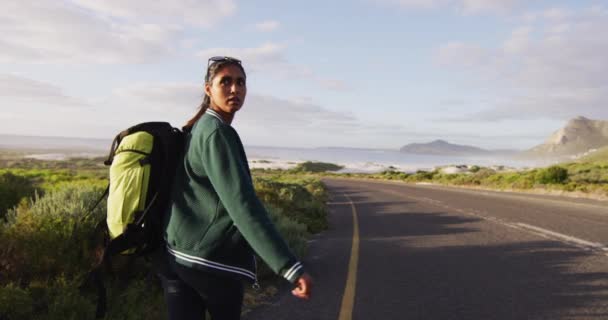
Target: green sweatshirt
column 216, row 218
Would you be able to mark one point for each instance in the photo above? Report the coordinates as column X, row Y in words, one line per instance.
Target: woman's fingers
column 303, row 286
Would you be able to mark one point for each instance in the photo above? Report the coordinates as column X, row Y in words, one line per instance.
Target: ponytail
column 201, row 110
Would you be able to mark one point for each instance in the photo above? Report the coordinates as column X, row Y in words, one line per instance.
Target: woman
column 216, row 219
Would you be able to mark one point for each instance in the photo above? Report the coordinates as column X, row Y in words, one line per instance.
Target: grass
column 47, row 218
column 601, row 155
column 589, row 179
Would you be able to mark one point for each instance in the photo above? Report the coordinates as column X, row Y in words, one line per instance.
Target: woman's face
column 227, row 89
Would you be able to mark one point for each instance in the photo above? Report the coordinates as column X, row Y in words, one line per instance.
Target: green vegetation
column 10, row 161
column 590, row 178
column 48, row 241
column 601, row 155
column 13, row 188
column 552, row 175
column 315, row 167
column 299, row 199
column 45, row 175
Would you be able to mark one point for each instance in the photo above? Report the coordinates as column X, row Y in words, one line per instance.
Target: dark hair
column 212, row 70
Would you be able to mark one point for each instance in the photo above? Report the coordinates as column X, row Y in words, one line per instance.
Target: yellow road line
column 348, row 300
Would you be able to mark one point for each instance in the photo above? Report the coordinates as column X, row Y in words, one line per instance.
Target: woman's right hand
column 303, row 287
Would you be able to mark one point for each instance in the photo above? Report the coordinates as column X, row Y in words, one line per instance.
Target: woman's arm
column 226, row 166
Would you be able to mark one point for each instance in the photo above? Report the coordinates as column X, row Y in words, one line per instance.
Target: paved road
column 426, row 252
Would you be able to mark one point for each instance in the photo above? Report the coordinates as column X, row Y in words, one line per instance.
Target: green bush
column 37, row 230
column 422, row 175
column 15, row 303
column 552, row 175
column 310, row 166
column 61, row 299
column 47, row 249
column 137, row 299
column 581, row 177
column 303, row 201
column 13, row 188
column 591, row 173
column 391, row 175
column 47, row 179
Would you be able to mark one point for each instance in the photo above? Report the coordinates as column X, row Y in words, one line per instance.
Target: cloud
column 17, row 91
column 551, row 104
column 267, row 26
column 554, row 67
column 284, row 113
column 185, row 97
column 268, row 120
column 414, row 3
column 42, row 108
column 83, row 31
column 161, row 97
column 204, row 13
column 271, row 58
column 464, row 6
column 181, row 101
column 264, row 120
column 268, row 56
column 557, row 13
column 519, row 40
column 461, row 54
column 334, row 85
column 476, row 6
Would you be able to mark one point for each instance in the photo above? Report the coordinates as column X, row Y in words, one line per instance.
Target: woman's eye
column 240, row 82
column 225, row 82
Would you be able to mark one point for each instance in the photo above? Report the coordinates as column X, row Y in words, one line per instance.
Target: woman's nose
column 234, row 88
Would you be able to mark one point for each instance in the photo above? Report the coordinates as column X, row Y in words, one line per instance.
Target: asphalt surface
column 443, row 253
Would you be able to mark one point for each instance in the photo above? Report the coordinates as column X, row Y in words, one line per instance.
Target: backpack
column 142, row 164
column 142, row 161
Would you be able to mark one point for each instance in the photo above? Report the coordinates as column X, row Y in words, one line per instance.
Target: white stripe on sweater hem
column 211, row 264
column 293, row 270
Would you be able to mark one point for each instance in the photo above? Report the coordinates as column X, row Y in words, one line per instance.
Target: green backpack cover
column 129, row 179
column 142, row 161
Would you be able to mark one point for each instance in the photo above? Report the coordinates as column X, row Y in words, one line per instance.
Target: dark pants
column 190, row 292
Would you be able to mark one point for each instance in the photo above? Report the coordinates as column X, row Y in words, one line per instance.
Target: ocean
column 370, row 160
column 353, row 160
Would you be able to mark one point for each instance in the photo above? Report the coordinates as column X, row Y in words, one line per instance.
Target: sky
column 497, row 74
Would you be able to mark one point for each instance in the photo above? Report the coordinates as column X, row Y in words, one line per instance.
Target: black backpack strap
column 88, row 213
column 115, row 144
column 142, row 217
column 96, row 276
column 128, row 239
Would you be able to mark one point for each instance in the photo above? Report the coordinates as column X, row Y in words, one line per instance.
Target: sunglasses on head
column 213, row 60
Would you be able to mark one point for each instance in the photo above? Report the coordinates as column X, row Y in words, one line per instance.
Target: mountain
column 578, row 136
column 441, row 147
column 595, row 155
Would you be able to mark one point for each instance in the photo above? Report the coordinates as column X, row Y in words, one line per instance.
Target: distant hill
column 578, row 136
column 442, row 147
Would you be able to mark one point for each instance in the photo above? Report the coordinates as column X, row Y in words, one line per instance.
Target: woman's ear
column 208, row 89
